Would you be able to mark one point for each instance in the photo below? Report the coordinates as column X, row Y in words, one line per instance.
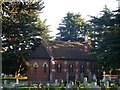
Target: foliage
column 72, row 28
column 21, row 33
column 106, row 39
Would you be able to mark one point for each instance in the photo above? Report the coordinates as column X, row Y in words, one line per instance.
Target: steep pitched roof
column 62, row 50
column 40, row 52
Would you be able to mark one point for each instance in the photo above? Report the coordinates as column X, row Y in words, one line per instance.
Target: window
column 81, row 68
column 45, row 68
column 92, row 68
column 71, row 69
column 45, row 65
column 59, row 68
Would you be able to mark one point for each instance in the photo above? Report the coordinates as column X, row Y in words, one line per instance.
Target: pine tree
column 21, row 33
column 106, row 34
column 72, row 28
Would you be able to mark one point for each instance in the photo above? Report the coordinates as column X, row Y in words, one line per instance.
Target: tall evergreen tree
column 106, row 34
column 21, row 33
column 72, row 28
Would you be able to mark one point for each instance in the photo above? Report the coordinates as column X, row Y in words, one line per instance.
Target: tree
column 106, row 39
column 21, row 33
column 72, row 28
column 45, row 34
column 99, row 24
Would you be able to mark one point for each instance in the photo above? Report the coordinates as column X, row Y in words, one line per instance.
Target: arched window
column 35, row 65
column 59, row 68
column 45, row 68
column 71, row 69
column 45, row 65
column 82, row 68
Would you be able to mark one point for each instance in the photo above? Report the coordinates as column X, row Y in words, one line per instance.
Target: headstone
column 56, row 81
column 2, row 74
column 76, row 76
column 5, row 82
column 94, row 85
column 68, row 86
column 85, row 82
column 67, row 76
column 72, row 83
column 51, row 77
column 106, row 84
column 62, row 83
column 1, row 87
column 75, row 87
column 90, row 76
column 82, row 77
column 94, row 77
column 17, row 81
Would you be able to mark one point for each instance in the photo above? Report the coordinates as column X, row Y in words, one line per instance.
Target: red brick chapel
column 60, row 60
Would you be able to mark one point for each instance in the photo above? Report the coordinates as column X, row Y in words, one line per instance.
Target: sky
column 55, row 10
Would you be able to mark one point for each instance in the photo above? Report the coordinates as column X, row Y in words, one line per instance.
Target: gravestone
column 94, row 77
column 56, row 82
column 76, row 76
column 67, row 76
column 51, row 76
column 106, row 84
column 82, row 77
column 85, row 82
column 72, row 83
column 62, row 83
column 68, row 86
column 75, row 87
column 94, row 85
column 5, row 82
column 90, row 76
column 17, row 81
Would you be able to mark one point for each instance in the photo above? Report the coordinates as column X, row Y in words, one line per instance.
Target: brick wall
column 40, row 75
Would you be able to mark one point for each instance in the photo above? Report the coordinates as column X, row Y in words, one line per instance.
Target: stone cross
column 104, row 79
